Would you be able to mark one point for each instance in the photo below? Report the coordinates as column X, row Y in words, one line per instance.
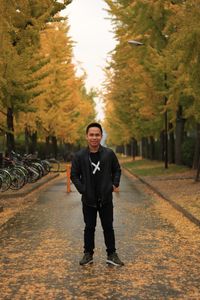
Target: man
column 96, row 173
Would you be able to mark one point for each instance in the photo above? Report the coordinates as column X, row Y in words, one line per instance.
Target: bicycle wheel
column 1, row 181
column 18, row 179
column 24, row 171
column 33, row 174
column 39, row 168
column 6, row 180
column 46, row 166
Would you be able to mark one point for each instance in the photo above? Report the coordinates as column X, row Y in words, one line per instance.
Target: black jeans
column 90, row 219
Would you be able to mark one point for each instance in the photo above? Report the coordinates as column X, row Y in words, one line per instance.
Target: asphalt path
column 41, row 248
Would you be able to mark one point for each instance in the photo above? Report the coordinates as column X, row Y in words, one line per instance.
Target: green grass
column 152, row 168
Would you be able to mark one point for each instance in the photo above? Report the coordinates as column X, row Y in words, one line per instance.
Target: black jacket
column 81, row 175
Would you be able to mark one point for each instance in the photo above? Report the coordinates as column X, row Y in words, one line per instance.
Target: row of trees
column 159, row 79
column 41, row 97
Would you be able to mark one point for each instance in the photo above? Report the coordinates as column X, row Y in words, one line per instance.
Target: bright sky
column 93, row 38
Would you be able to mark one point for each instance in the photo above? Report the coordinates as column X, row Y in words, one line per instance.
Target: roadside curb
column 179, row 208
column 32, row 187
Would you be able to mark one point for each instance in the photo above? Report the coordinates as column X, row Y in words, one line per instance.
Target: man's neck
column 93, row 150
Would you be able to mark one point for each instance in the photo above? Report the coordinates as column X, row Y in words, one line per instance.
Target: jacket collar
column 100, row 148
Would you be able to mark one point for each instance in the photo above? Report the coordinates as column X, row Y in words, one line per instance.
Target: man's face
column 94, row 137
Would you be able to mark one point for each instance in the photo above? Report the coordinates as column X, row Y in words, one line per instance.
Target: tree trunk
column 26, row 133
column 151, row 148
column 161, row 146
column 54, row 146
column 197, row 148
column 180, row 122
column 47, row 144
column 171, row 144
column 144, row 147
column 33, row 146
column 125, row 149
column 134, row 150
column 10, row 134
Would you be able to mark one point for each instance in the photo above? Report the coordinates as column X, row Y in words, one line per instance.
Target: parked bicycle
column 18, row 170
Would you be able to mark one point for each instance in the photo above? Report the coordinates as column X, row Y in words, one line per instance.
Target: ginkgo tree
column 21, row 23
column 61, row 107
column 157, row 79
column 184, row 60
column 134, row 71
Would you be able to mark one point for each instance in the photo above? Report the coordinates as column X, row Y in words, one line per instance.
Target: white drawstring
column 96, row 167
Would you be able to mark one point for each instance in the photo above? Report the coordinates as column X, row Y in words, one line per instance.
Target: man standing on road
column 96, row 173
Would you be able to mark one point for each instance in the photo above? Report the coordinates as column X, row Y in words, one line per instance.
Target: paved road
column 41, row 248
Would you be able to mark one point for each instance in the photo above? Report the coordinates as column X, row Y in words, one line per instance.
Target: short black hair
column 94, row 124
